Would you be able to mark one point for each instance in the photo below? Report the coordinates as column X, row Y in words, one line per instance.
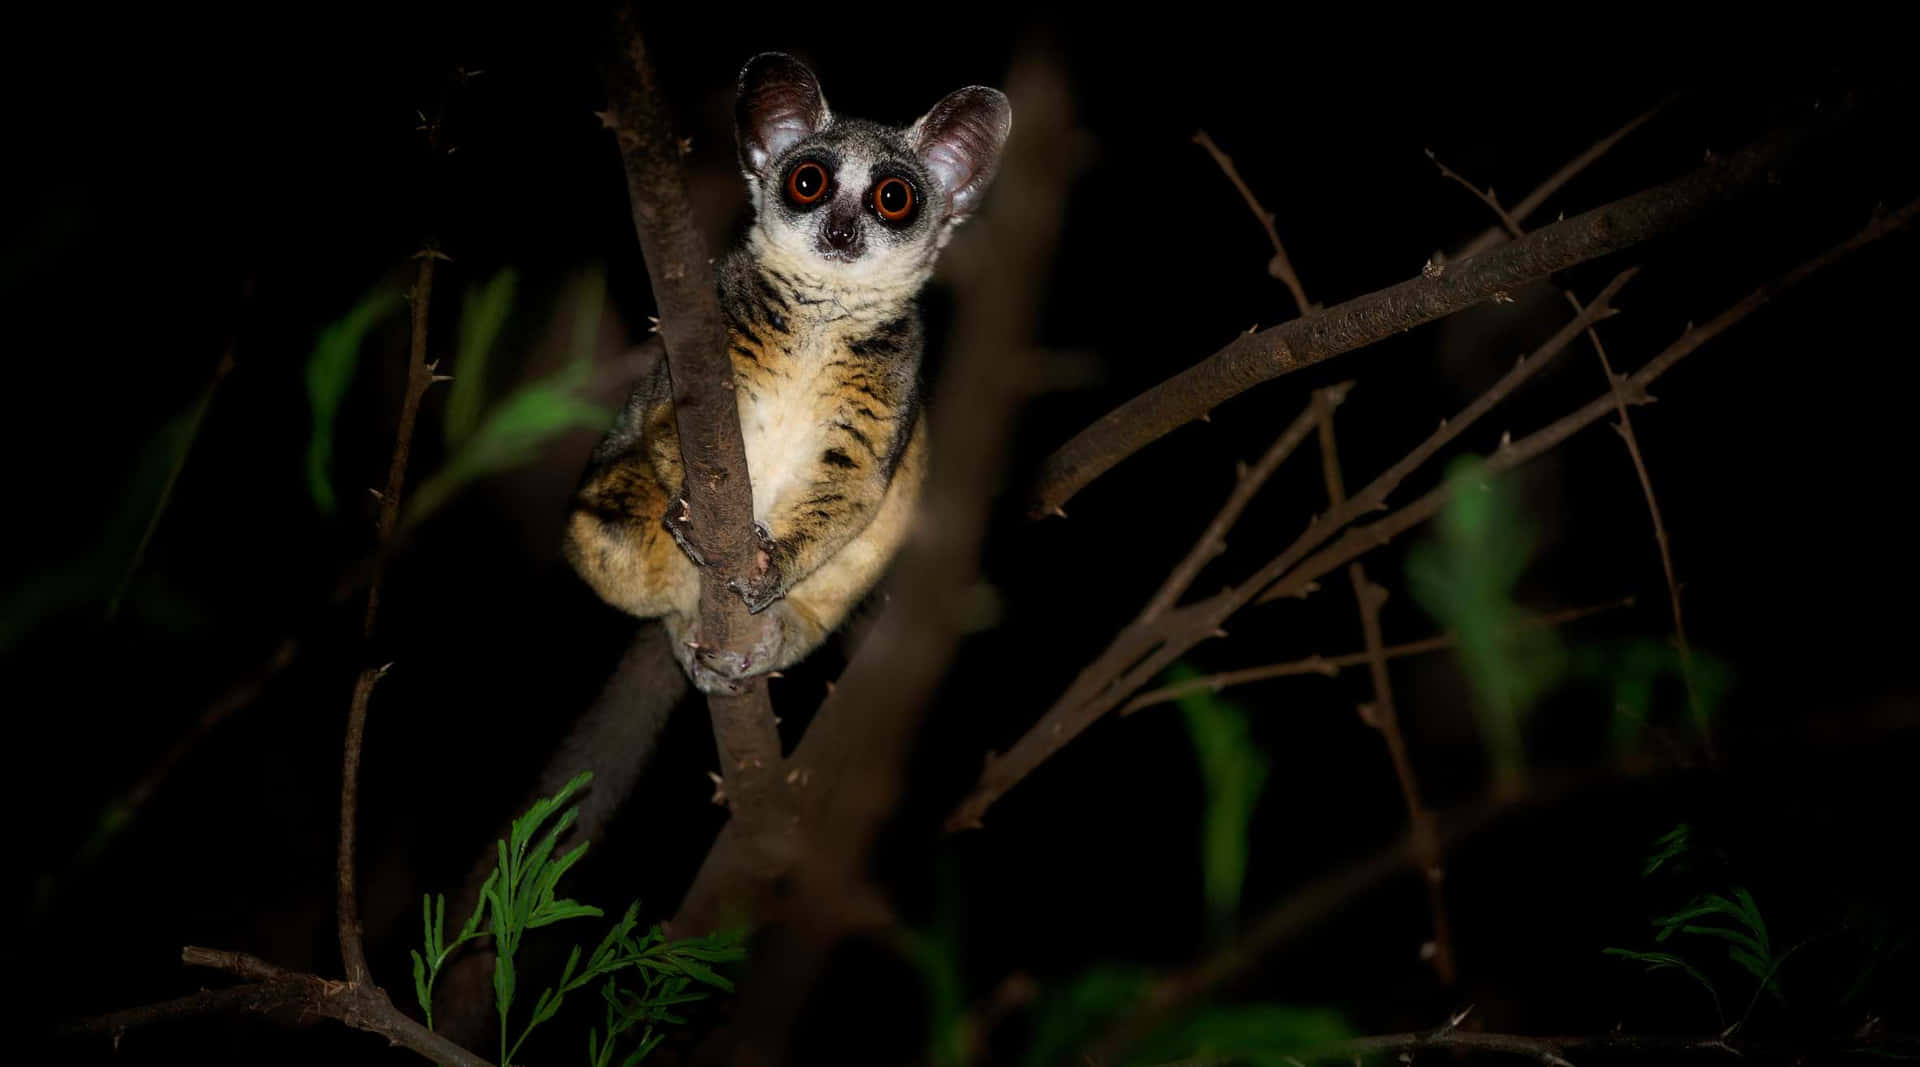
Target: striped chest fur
column 826, row 383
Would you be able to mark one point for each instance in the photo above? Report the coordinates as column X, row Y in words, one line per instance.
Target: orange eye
column 806, row 183
column 893, row 199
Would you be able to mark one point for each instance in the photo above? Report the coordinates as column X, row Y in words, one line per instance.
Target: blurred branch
column 1380, row 714
column 1142, row 651
column 1332, row 665
column 706, row 414
column 1625, row 428
column 1439, row 291
column 1281, row 267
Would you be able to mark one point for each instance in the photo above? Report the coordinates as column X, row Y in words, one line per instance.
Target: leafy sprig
column 521, row 895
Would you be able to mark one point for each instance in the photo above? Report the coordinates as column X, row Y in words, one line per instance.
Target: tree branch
column 706, row 414
column 1141, row 652
column 1440, row 291
column 272, row 991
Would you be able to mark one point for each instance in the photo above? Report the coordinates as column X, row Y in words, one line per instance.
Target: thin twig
column 1625, row 428
column 1439, row 291
column 1329, row 666
column 1381, row 715
column 1280, row 266
column 1135, row 639
column 419, row 379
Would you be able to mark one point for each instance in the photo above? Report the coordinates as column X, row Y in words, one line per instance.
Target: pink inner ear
column 948, row 165
column 785, row 130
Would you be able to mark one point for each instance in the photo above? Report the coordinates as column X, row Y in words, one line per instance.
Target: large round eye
column 893, row 199
column 806, row 183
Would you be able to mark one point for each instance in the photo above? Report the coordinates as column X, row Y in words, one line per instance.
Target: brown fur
column 836, row 447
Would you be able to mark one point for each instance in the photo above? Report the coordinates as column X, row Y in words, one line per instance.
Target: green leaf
column 1741, row 940
column 1235, row 771
column 503, row 983
column 511, row 435
column 560, row 910
column 472, row 926
column 482, row 314
column 1659, row 961
column 330, row 369
column 700, row 972
column 1066, row 1018
column 1465, row 581
column 1669, row 847
column 420, row 985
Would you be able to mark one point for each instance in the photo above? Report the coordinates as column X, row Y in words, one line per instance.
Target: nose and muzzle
column 840, row 233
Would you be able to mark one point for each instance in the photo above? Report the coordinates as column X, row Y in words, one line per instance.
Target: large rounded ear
column 779, row 103
column 960, row 142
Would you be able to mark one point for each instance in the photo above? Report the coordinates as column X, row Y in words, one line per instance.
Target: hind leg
column 617, row 543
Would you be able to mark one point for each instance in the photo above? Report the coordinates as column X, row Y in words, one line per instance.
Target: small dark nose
column 842, row 231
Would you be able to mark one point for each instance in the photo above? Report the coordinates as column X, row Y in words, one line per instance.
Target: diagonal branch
column 1212, row 541
column 719, row 492
column 1440, row 291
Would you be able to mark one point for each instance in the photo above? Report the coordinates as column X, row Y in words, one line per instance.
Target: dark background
column 170, row 162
